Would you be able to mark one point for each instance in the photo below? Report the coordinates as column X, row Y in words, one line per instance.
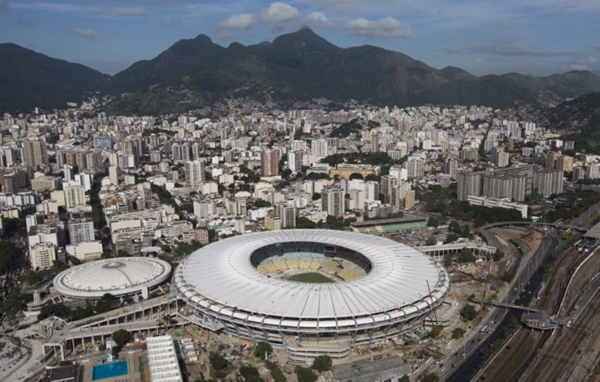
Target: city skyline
column 538, row 37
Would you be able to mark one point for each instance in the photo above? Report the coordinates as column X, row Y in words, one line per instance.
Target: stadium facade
column 380, row 289
column 118, row 276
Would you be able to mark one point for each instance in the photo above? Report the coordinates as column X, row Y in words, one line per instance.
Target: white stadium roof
column 117, row 276
column 220, row 277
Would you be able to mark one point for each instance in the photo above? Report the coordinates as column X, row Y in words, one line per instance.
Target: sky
column 535, row 37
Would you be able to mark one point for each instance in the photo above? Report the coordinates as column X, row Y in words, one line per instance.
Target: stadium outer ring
column 224, row 291
column 129, row 275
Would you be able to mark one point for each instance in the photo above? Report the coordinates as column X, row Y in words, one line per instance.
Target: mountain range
column 297, row 66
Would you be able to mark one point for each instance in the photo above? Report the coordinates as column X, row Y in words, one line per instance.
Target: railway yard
column 565, row 353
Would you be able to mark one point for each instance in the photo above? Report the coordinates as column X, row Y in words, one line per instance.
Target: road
column 521, row 293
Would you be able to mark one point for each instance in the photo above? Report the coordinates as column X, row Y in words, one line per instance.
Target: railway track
column 568, row 355
column 512, row 358
column 569, row 351
column 549, row 301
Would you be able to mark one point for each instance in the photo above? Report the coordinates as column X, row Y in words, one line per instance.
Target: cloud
column 86, row 33
column 278, row 14
column 3, row 4
column 127, row 11
column 243, row 21
column 24, row 23
column 318, row 19
column 387, row 27
column 587, row 63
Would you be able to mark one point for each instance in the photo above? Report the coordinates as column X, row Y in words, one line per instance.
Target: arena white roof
column 117, row 276
column 221, row 274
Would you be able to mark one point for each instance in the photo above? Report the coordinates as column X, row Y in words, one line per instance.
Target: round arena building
column 310, row 291
column 117, row 276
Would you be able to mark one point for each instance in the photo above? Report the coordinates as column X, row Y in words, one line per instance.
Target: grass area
column 506, row 372
column 311, row 277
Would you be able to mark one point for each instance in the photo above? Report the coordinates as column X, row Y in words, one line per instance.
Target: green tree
column 436, row 330
column 468, row 312
column 263, row 350
column 218, row 364
column 405, row 378
column 458, row 333
column 262, row 203
column 275, row 370
column 105, row 303
column 335, row 223
column 448, row 260
column 121, row 337
column 451, row 238
column 305, row 374
column 433, row 222
column 250, row 373
column 498, row 255
column 508, row 275
column 431, row 240
column 58, row 310
column 304, row 222
column 466, row 256
column 322, row 363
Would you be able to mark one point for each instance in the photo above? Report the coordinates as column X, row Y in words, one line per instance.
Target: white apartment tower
column 74, row 195
column 42, row 256
column 319, row 148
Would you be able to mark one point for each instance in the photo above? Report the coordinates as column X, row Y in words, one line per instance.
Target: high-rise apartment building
column 269, row 160
column 295, row 161
column 194, row 173
column 551, row 159
column 499, row 157
column 565, row 163
column 388, row 183
column 592, row 171
column 81, row 230
column 42, row 256
column 319, row 148
column 286, row 213
column 371, row 191
column 272, row 223
column 548, row 182
column 468, row 183
column 74, row 195
column 132, row 147
column 499, row 187
column 180, row 152
column 450, row 166
column 332, row 201
column 415, row 168
column 356, row 200
column 34, row 153
column 9, row 156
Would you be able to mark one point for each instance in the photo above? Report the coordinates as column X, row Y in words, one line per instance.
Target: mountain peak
column 305, row 29
column 203, row 38
column 303, row 37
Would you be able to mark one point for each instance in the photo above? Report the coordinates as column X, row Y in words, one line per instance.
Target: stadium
column 310, row 291
column 119, row 276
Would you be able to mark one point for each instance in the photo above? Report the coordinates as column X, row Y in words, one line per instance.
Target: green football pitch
column 311, row 277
